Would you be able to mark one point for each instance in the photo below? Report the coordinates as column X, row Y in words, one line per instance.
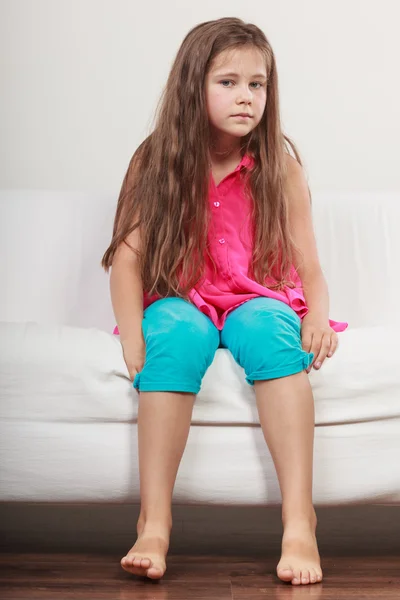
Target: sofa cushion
column 71, row 374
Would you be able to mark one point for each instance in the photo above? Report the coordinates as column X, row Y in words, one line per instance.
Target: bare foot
column 300, row 561
column 147, row 557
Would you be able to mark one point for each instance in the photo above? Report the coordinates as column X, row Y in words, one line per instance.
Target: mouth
column 243, row 116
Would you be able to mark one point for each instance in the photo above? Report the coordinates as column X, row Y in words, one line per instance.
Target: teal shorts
column 263, row 335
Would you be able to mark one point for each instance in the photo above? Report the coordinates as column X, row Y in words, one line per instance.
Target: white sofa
column 68, row 412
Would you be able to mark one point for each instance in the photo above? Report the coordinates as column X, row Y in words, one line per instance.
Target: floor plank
column 100, row 577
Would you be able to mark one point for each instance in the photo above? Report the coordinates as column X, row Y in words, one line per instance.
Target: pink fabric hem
column 292, row 297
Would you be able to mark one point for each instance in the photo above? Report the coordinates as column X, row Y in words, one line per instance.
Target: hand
column 134, row 355
column 318, row 337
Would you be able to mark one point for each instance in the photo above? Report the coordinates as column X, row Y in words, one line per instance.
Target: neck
column 228, row 154
column 224, row 146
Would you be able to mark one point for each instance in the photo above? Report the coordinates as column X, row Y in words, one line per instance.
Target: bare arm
column 314, row 284
column 125, row 280
column 127, row 297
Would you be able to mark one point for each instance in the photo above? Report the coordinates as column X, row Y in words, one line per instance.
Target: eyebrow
column 236, row 75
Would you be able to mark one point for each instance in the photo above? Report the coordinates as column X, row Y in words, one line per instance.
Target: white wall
column 80, row 80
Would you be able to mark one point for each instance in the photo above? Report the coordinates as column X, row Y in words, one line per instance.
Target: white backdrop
column 80, row 81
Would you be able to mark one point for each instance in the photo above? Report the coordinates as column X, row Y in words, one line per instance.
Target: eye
column 229, row 81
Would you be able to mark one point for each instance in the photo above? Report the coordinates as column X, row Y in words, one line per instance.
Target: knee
column 271, row 347
column 180, row 328
column 180, row 346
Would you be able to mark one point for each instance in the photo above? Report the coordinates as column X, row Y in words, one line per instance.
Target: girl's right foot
column 147, row 557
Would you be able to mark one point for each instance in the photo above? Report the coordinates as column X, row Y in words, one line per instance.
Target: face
column 228, row 95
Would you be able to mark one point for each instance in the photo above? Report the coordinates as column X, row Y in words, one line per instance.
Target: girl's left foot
column 300, row 561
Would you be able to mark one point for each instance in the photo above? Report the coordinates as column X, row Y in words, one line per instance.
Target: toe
column 313, row 575
column 305, row 576
column 155, row 572
column 145, row 562
column 296, row 577
column 126, row 562
column 285, row 573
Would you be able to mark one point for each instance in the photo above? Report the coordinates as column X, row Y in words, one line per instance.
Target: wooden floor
column 100, row 577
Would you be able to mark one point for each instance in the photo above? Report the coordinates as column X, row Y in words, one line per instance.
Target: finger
column 325, row 347
column 316, row 347
column 309, row 347
column 306, row 340
column 334, row 345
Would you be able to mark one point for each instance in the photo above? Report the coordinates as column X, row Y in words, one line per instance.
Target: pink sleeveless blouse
column 230, row 242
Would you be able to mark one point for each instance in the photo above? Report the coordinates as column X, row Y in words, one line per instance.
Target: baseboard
column 361, row 529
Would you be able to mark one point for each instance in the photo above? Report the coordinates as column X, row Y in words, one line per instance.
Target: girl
column 213, row 246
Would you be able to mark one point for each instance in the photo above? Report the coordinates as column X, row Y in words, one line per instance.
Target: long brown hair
column 165, row 189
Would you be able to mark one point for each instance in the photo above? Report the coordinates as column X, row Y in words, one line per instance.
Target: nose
column 245, row 94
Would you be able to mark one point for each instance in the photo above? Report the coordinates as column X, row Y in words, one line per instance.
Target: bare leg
column 286, row 411
column 163, row 428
